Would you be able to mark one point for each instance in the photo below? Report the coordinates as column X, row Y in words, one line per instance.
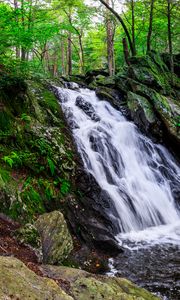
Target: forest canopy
column 64, row 37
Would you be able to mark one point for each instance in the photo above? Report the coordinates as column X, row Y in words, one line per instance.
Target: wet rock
column 18, row 282
column 55, row 237
column 93, row 216
column 115, row 97
column 143, row 114
column 166, row 108
column 72, row 86
column 91, row 75
column 85, row 286
column 87, row 108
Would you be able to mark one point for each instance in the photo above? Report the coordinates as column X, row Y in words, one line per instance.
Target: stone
column 142, row 113
column 87, row 108
column 19, row 282
column 55, row 237
column 28, row 234
column 93, row 216
column 114, row 97
column 167, row 109
column 86, row 286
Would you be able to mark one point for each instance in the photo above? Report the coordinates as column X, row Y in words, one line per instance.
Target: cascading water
column 139, row 176
column 142, row 180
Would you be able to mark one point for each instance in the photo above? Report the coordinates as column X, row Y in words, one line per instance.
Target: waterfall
column 141, row 178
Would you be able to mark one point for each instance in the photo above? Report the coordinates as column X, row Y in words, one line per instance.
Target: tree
column 170, row 35
column 110, row 29
column 150, row 26
column 119, row 18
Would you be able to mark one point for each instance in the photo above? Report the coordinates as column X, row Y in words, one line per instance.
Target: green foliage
column 12, row 159
column 51, row 166
column 4, row 175
column 65, row 186
column 26, row 118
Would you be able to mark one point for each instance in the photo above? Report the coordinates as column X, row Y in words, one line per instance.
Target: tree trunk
column 150, row 26
column 170, row 36
column 55, row 67
column 110, row 43
column 126, row 51
column 62, row 58
column 23, row 50
column 69, row 56
column 133, row 27
column 133, row 51
column 81, row 55
column 17, row 24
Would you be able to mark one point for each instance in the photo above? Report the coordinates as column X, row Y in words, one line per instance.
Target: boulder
column 55, row 237
column 19, row 282
column 166, row 108
column 93, row 216
column 85, row 286
column 91, row 75
column 28, row 234
column 115, row 97
column 143, row 114
column 87, row 108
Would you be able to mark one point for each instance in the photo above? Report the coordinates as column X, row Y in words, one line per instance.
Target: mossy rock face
column 84, row 285
column 142, row 113
column 18, row 282
column 36, row 151
column 166, row 108
column 56, row 239
column 105, row 81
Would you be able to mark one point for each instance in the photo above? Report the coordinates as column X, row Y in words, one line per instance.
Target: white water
column 137, row 174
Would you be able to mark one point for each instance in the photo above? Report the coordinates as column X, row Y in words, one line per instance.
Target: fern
column 8, row 160
column 65, row 186
column 51, row 166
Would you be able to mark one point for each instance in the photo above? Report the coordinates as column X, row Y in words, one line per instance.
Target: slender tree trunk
column 17, row 24
column 123, row 25
column 110, row 43
column 23, row 50
column 55, row 66
column 46, row 57
column 69, row 56
column 150, row 26
column 62, row 57
column 81, row 55
column 126, row 51
column 170, row 35
column 133, row 27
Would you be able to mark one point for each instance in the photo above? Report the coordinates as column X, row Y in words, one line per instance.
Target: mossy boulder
column 142, row 113
column 166, row 108
column 18, row 282
column 105, row 81
column 28, row 234
column 55, row 237
column 149, row 72
column 84, row 285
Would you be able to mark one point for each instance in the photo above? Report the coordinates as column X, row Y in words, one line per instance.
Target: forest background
column 64, row 37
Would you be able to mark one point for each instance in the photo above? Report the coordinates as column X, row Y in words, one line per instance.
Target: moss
column 86, row 286
column 50, row 101
column 19, row 282
column 136, row 102
column 39, row 156
column 28, row 234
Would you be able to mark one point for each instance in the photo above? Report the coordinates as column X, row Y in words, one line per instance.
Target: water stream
column 141, row 178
